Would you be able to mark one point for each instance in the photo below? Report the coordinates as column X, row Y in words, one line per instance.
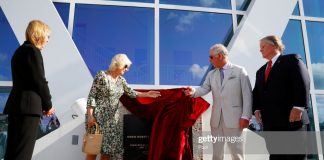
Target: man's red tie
column 267, row 71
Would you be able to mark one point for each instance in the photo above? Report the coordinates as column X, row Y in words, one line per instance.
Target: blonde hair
column 119, row 61
column 219, row 49
column 36, row 33
column 275, row 41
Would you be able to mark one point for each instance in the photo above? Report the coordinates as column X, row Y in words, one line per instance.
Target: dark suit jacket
column 30, row 94
column 287, row 86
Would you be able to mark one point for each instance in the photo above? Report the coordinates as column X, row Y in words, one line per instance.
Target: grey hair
column 275, row 41
column 219, row 49
column 119, row 61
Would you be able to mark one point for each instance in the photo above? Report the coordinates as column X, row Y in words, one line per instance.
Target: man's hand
column 188, row 91
column 257, row 115
column 295, row 115
column 49, row 112
column 244, row 123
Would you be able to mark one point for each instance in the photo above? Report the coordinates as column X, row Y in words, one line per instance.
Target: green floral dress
column 104, row 98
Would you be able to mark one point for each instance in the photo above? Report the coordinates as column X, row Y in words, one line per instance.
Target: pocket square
column 229, row 78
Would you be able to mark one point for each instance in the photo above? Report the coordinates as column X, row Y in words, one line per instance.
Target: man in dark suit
column 280, row 94
column 30, row 96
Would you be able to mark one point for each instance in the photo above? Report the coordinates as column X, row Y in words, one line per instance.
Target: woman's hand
column 153, row 94
column 91, row 121
column 49, row 112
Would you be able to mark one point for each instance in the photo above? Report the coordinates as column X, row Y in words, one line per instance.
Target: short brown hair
column 36, row 32
column 274, row 40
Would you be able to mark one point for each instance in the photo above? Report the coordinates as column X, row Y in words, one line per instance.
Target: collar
column 227, row 66
column 274, row 59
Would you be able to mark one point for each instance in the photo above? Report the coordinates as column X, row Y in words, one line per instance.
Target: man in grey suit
column 232, row 101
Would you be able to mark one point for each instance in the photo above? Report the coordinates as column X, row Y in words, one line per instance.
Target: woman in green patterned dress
column 103, row 106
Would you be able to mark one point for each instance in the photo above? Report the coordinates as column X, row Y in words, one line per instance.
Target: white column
column 264, row 17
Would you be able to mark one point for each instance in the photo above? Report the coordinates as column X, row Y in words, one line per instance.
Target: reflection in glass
column 4, row 93
column 293, row 39
column 185, row 39
column 320, row 109
column 242, row 4
column 311, row 126
column 8, row 45
column 63, row 10
column 296, row 10
column 145, row 1
column 224, row 4
column 315, row 32
column 3, row 100
column 313, row 8
column 100, row 32
column 239, row 19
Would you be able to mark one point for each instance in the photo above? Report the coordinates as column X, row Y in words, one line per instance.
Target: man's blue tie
column 221, row 72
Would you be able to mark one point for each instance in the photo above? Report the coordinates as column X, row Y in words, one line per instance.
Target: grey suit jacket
column 232, row 98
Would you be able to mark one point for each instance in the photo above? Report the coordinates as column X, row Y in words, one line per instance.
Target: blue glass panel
column 239, row 19
column 225, row 4
column 320, row 109
column 8, row 45
column 311, row 126
column 296, row 10
column 4, row 93
column 242, row 4
column 314, row 8
column 145, row 1
column 293, row 39
column 185, row 39
column 63, row 9
column 315, row 32
column 100, row 32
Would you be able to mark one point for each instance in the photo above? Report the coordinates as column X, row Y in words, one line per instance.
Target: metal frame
column 157, row 6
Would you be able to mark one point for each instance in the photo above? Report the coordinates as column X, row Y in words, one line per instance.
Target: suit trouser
column 22, row 134
column 272, row 143
column 223, row 134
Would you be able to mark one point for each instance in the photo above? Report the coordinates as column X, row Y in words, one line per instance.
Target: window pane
column 293, row 39
column 315, row 32
column 296, row 10
column 185, row 39
column 311, row 126
column 242, row 4
column 147, row 1
column 239, row 19
column 63, row 10
column 314, row 8
column 8, row 45
column 100, row 32
column 225, row 4
column 4, row 93
column 320, row 109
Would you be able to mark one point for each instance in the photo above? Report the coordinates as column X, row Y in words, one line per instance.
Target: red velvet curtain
column 173, row 114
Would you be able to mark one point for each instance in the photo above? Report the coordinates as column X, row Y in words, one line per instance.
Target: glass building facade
column 168, row 41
